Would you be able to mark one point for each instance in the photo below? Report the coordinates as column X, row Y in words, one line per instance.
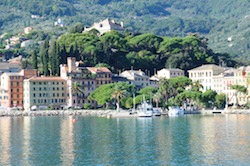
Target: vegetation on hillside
column 224, row 23
column 148, row 52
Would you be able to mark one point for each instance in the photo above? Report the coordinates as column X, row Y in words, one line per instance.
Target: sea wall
column 57, row 113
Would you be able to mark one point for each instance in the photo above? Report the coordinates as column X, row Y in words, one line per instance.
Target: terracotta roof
column 46, row 79
column 99, row 70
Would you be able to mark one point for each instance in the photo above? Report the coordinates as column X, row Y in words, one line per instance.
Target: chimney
column 71, row 61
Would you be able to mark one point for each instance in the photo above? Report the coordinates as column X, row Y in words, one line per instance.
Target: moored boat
column 175, row 111
column 145, row 110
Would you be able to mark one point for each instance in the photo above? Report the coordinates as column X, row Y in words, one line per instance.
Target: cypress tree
column 63, row 55
column 44, row 55
column 34, row 60
column 54, row 58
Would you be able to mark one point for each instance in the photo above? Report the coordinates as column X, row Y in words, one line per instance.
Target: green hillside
column 226, row 23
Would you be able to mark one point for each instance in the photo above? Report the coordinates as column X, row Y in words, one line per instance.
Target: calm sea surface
column 188, row 140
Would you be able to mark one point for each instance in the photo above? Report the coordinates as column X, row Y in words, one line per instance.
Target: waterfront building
column 204, row 75
column 103, row 75
column 75, row 73
column 137, row 78
column 11, row 88
column 222, row 83
column 44, row 93
column 220, row 80
column 106, row 26
column 169, row 73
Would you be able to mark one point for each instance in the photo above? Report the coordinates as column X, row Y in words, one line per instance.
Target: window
column 34, row 95
column 34, row 88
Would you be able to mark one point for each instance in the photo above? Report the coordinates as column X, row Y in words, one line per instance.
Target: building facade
column 75, row 73
column 44, row 93
column 204, row 75
column 12, row 88
column 170, row 73
column 137, row 78
column 106, row 26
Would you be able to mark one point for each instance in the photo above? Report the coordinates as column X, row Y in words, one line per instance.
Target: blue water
column 188, row 140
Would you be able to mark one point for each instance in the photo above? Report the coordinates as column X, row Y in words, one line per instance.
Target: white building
column 204, row 75
column 106, row 26
column 168, row 73
column 137, row 78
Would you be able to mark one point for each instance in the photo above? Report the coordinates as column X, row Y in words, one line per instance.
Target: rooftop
column 99, row 70
column 46, row 79
column 208, row 67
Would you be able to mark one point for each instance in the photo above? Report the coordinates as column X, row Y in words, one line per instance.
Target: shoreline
column 100, row 113
column 107, row 113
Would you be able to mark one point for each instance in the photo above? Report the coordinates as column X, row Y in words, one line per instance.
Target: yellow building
column 45, row 93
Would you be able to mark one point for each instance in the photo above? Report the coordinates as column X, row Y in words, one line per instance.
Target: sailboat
column 145, row 109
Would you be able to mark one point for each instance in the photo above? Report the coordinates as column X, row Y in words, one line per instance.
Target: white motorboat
column 145, row 110
column 175, row 111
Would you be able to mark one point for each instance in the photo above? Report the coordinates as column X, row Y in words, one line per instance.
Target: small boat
column 156, row 112
column 145, row 110
column 175, row 111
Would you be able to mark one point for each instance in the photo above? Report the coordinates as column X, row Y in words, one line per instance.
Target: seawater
column 187, row 140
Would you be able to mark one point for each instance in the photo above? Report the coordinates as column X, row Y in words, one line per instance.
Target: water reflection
column 67, row 141
column 187, row 140
column 5, row 135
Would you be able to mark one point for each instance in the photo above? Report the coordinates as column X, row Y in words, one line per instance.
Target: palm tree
column 118, row 93
column 157, row 98
column 165, row 89
column 196, row 86
column 76, row 89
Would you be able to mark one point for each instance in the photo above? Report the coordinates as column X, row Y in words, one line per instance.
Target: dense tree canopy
column 145, row 51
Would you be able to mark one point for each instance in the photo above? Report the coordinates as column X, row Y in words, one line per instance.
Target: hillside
column 225, row 23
